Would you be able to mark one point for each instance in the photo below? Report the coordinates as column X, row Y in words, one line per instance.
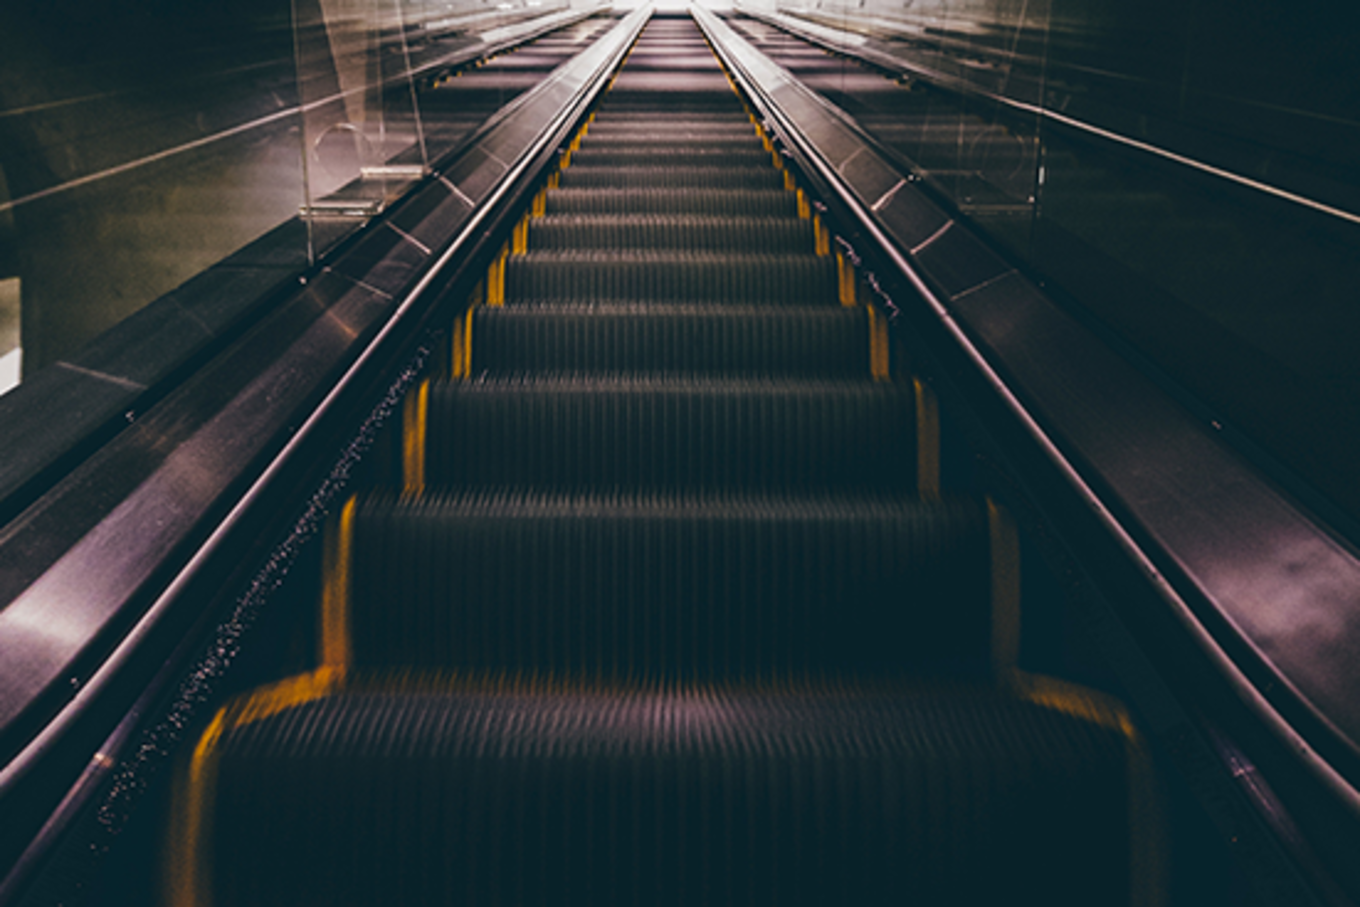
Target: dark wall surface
column 1187, row 174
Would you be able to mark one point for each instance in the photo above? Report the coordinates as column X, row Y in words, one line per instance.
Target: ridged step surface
column 666, row 155
column 612, row 122
column 782, row 436
column 689, row 141
column 801, row 794
column 716, row 202
column 648, row 586
column 808, row 342
column 640, row 631
column 693, row 233
column 684, row 176
column 671, row 276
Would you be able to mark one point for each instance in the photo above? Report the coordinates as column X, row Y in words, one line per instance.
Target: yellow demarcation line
column 336, row 651
column 519, row 239
column 879, row 366
column 1147, row 837
column 188, row 867
column 820, row 235
column 805, row 209
column 845, row 276
column 414, row 417
column 1145, row 821
column 927, row 441
column 462, row 344
column 495, row 278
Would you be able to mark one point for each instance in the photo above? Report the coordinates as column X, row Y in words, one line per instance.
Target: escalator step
column 708, row 95
column 665, row 126
column 692, row 232
column 485, row 792
column 637, row 586
column 660, row 616
column 820, row 341
column 746, row 154
column 682, row 177
column 716, row 202
column 674, row 434
column 671, row 276
column 637, row 141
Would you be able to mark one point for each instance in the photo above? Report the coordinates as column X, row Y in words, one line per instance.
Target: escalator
column 666, row 602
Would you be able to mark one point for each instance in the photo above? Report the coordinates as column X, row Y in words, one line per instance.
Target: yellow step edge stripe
column 879, row 366
column 927, row 441
column 804, row 209
column 462, row 345
column 519, row 239
column 845, row 277
column 1147, row 823
column 1146, row 862
column 414, row 415
column 789, row 184
column 495, row 278
column 188, row 870
column 336, row 650
column 821, row 236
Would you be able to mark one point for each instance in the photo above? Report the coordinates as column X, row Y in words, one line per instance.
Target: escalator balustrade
column 667, row 606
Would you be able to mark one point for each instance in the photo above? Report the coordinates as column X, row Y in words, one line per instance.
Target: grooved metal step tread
column 685, row 177
column 659, row 155
column 821, row 341
column 747, row 202
column 643, row 141
column 634, row 431
column 524, row 790
column 697, row 585
column 653, row 231
column 672, row 276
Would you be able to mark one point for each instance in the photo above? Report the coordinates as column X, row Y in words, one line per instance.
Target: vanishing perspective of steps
column 668, row 606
